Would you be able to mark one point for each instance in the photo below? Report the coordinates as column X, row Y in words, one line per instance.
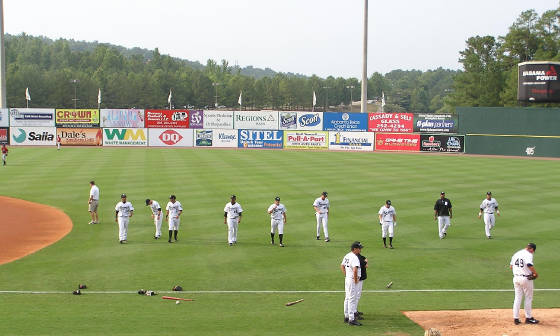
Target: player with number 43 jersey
column 489, row 206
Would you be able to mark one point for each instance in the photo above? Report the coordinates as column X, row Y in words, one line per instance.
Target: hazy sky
column 322, row 37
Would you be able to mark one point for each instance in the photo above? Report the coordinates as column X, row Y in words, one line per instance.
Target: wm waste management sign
column 354, row 141
column 306, row 139
column 125, row 137
column 538, row 82
column 33, row 136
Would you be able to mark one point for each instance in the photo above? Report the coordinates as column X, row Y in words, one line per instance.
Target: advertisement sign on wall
column 397, row 142
column 4, row 135
column 203, row 138
column 125, row 137
column 306, row 139
column 129, row 118
column 538, row 82
column 263, row 120
column 225, row 138
column 356, row 141
column 310, row 121
column 288, row 120
column 218, row 119
column 77, row 118
column 390, row 122
column 166, row 137
column 167, row 118
column 33, row 136
column 80, row 136
column 444, row 123
column 4, row 118
column 260, row 139
column 31, row 117
column 442, row 143
column 352, row 122
column 197, row 119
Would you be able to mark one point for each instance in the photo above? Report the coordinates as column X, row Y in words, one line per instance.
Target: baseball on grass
column 177, row 302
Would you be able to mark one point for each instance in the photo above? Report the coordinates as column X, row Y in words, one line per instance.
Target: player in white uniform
column 489, row 206
column 350, row 267
column 277, row 213
column 124, row 211
column 156, row 216
column 522, row 266
column 322, row 208
column 232, row 218
column 173, row 211
column 388, row 221
column 93, row 202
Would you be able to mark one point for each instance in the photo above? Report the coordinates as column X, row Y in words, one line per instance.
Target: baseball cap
column 356, row 244
column 533, row 246
column 442, row 193
column 123, row 195
column 172, row 197
column 325, row 193
column 388, row 202
column 276, row 198
column 489, row 193
column 233, row 196
column 147, row 201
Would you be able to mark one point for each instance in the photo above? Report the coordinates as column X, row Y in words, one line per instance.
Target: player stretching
column 489, row 206
column 156, row 215
column 277, row 213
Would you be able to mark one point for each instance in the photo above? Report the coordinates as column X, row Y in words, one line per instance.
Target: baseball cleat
column 91, row 222
column 230, row 244
column 281, row 245
column 346, row 320
column 531, row 320
column 169, row 241
column 489, row 237
column 358, row 313
column 516, row 321
column 385, row 246
column 318, row 238
column 358, row 317
column 354, row 323
column 391, row 246
column 327, row 239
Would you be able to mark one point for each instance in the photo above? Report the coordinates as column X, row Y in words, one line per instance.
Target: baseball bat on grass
column 175, row 298
column 294, row 302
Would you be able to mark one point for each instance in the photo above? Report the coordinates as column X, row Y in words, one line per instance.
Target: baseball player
column 93, row 202
column 523, row 275
column 4, row 154
column 156, row 215
column 277, row 213
column 232, row 218
column 388, row 221
column 173, row 211
column 124, row 211
column 322, row 209
column 443, row 214
column 58, row 142
column 489, row 206
column 350, row 267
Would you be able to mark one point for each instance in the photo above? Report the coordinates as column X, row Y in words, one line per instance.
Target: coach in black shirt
column 443, row 213
column 363, row 276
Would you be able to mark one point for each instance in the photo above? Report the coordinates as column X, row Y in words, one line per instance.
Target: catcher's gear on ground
column 177, row 288
column 82, row 286
column 532, row 276
column 77, row 292
column 141, row 292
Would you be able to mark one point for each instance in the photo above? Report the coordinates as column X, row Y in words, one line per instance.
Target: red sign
column 170, row 137
column 391, row 122
column 397, row 142
column 167, row 118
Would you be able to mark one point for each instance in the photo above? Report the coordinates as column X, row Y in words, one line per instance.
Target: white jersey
column 124, row 209
column 387, row 214
column 94, row 192
column 155, row 207
column 233, row 210
column 173, row 208
column 521, row 261
column 322, row 205
column 489, row 206
column 278, row 211
column 350, row 261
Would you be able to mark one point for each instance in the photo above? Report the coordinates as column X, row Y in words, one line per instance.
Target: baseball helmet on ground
column 177, row 288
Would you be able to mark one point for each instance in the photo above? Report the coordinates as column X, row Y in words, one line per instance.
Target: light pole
column 215, row 85
column 326, row 96
column 3, row 103
column 364, row 68
column 75, row 81
column 351, row 100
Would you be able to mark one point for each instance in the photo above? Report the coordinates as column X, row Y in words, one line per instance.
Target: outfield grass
column 358, row 184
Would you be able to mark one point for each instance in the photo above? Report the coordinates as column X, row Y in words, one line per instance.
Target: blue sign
column 260, row 139
column 309, row 120
column 353, row 122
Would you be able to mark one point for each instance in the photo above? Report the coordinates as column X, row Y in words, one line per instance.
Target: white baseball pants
column 233, row 224
column 489, row 223
column 350, row 301
column 443, row 224
column 387, row 227
column 359, row 287
column 157, row 223
column 523, row 287
column 277, row 225
column 174, row 223
column 324, row 219
column 123, row 227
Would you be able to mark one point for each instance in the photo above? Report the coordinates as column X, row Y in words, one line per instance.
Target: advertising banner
column 80, row 136
column 352, row 122
column 197, row 119
column 33, row 136
column 4, row 117
column 306, row 139
column 310, row 121
column 218, row 119
column 442, row 143
column 224, row 138
column 397, row 142
column 263, row 120
column 538, row 82
column 125, row 137
column 288, row 120
column 203, row 138
column 128, row 118
column 4, row 135
column 260, row 139
column 390, row 122
column 442, row 123
column 167, row 119
column 355, row 141
column 31, row 117
column 166, row 137
column 77, row 118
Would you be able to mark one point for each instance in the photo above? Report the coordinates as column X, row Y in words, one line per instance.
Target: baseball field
column 242, row 290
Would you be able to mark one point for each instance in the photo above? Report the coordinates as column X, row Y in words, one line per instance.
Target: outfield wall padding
column 545, row 146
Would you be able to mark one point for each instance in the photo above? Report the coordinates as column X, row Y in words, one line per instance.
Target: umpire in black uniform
column 443, row 214
column 363, row 268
